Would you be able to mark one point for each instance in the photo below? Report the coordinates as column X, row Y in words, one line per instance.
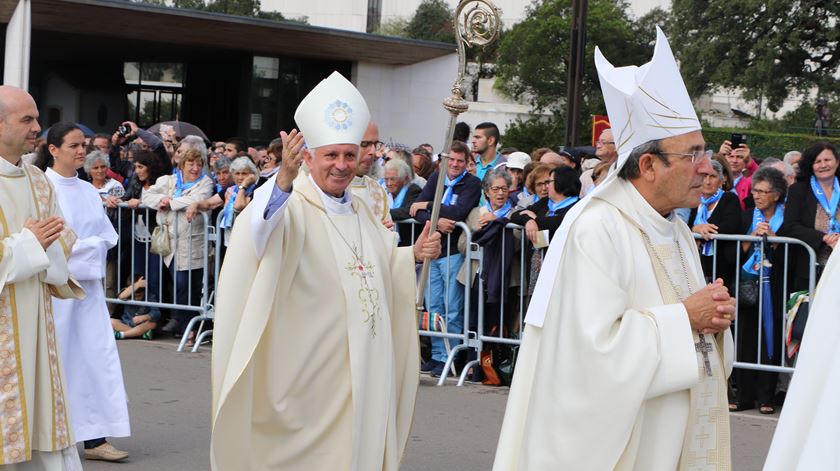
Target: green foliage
column 536, row 131
column 769, row 49
column 432, row 21
column 393, row 27
column 231, row 7
column 765, row 143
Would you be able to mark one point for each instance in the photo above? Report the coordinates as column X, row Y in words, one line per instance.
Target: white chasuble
column 95, row 389
column 34, row 422
column 607, row 382
column 315, row 358
column 806, row 436
column 371, row 192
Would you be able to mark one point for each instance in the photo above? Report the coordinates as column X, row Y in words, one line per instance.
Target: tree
column 533, row 56
column 433, row 21
column 768, row 49
column 393, row 27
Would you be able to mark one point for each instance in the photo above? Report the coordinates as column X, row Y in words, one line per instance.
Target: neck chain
column 674, row 286
column 360, row 254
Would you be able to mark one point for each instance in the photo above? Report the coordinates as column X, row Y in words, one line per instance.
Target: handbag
column 748, row 290
column 160, row 241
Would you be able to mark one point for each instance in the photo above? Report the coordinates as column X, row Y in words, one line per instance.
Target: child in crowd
column 137, row 321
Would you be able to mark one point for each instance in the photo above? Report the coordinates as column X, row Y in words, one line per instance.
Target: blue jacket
column 468, row 192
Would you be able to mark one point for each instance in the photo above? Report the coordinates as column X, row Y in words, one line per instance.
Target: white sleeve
column 268, row 207
column 22, row 257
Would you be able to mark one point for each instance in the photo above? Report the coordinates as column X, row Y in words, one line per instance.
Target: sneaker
column 105, row 452
column 118, row 335
column 170, row 326
column 147, row 335
column 426, row 367
column 438, row 371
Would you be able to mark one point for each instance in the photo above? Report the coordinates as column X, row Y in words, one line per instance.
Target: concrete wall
column 406, row 101
column 58, row 93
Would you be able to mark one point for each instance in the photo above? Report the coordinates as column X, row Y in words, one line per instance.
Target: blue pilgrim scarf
column 754, row 262
column 554, row 207
column 180, row 186
column 227, row 217
column 753, row 266
column 828, row 207
column 396, row 202
column 735, row 184
column 450, row 185
column 501, row 212
column 702, row 217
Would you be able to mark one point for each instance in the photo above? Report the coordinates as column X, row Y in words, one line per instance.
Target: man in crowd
column 485, row 139
column 315, row 361
column 618, row 369
column 33, row 266
column 366, row 187
column 605, row 151
column 235, row 147
column 792, row 158
column 444, row 294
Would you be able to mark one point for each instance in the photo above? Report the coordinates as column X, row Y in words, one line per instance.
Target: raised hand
column 291, row 160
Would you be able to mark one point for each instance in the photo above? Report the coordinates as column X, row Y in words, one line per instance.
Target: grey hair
column 243, row 163
column 790, row 156
column 197, row 143
column 403, row 169
column 774, row 177
column 630, row 170
column 719, row 169
column 94, row 157
column 788, row 169
column 221, row 163
column 494, row 174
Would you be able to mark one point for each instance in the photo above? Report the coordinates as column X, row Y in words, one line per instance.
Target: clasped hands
column 711, row 310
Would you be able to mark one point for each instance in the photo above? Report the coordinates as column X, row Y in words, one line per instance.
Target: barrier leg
column 201, row 338
column 471, row 364
column 183, row 342
column 450, row 359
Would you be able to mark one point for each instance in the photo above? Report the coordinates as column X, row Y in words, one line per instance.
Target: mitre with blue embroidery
column 334, row 112
column 648, row 102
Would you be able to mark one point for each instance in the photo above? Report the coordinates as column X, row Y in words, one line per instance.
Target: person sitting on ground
column 136, row 321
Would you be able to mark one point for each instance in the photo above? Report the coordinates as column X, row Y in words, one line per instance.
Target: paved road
column 454, row 428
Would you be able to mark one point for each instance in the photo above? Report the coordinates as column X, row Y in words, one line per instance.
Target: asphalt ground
column 454, row 428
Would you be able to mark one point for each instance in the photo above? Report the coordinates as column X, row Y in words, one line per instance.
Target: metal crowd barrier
column 134, row 245
column 476, row 339
column 782, row 296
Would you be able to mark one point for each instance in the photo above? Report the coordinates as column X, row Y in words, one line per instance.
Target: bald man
column 366, row 187
column 36, row 433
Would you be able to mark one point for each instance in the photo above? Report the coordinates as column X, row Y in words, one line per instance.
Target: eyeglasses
column 756, row 191
column 545, row 183
column 497, row 189
column 696, row 156
column 603, row 142
column 379, row 144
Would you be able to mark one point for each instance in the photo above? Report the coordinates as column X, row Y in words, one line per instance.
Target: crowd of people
column 486, row 188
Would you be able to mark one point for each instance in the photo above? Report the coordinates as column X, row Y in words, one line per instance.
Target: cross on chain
column 705, row 348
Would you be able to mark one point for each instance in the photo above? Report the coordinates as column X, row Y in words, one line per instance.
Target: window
column 155, row 91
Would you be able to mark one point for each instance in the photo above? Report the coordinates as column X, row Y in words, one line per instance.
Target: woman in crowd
column 421, row 162
column 95, row 390
column 110, row 190
column 238, row 195
column 813, row 208
column 769, row 189
column 171, row 195
column 401, row 194
column 405, row 156
column 719, row 212
column 537, row 181
column 547, row 213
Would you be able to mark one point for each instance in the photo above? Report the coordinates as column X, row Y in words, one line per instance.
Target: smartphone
column 737, row 139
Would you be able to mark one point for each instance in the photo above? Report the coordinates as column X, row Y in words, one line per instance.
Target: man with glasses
column 606, row 151
column 626, row 349
column 366, row 183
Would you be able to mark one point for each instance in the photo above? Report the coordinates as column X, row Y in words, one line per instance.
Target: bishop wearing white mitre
column 625, row 353
column 315, row 355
